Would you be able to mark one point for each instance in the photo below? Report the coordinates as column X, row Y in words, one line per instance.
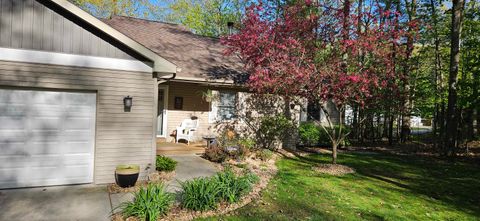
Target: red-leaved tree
column 318, row 52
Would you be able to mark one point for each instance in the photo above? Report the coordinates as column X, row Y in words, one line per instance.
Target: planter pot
column 126, row 175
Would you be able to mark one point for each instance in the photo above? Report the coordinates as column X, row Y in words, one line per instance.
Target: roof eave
column 161, row 65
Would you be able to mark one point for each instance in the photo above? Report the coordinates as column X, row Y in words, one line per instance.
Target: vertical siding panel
column 17, row 21
column 102, row 49
column 27, row 25
column 57, row 33
column 37, row 26
column 95, row 43
column 5, row 25
column 47, row 43
column 85, row 48
column 1, row 21
column 27, row 29
column 67, row 36
column 76, row 39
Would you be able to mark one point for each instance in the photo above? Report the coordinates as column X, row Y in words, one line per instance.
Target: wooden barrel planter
column 126, row 175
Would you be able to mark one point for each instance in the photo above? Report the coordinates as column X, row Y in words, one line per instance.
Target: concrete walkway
column 190, row 166
column 85, row 202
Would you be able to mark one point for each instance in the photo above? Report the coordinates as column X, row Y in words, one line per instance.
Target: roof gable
column 160, row 65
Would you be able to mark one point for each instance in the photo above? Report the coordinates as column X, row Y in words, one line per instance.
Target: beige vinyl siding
column 28, row 24
column 121, row 137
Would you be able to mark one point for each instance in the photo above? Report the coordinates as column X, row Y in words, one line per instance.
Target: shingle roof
column 200, row 58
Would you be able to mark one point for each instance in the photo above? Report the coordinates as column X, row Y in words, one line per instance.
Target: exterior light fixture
column 127, row 103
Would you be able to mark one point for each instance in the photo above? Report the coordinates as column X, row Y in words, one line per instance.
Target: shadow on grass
column 456, row 184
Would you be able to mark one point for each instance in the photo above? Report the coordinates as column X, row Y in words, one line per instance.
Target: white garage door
column 46, row 137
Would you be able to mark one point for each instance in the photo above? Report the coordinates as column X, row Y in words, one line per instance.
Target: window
column 227, row 105
column 313, row 111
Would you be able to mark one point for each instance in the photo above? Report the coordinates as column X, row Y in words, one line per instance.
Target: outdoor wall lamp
column 127, row 103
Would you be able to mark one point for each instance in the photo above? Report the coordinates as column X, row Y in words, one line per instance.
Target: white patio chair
column 187, row 130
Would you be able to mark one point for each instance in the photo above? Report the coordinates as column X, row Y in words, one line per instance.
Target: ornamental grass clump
column 149, row 203
column 200, row 194
column 232, row 187
column 164, row 163
column 206, row 193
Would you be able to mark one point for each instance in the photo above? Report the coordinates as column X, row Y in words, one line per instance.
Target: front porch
column 170, row 148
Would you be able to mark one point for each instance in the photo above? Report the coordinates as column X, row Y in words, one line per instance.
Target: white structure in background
column 416, row 121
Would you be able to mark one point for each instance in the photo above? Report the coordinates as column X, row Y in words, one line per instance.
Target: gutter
column 161, row 79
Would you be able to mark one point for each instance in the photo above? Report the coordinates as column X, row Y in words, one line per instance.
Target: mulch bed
column 265, row 170
column 333, row 169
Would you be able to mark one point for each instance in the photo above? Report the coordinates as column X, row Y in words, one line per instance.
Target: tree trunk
column 407, row 108
column 334, row 152
column 390, row 130
column 478, row 121
column 452, row 124
column 438, row 77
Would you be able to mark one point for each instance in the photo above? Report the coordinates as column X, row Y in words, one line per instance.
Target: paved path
column 85, row 202
column 189, row 167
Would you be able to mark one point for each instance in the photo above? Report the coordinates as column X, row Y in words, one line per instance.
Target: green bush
column 149, row 203
column 271, row 129
column 200, row 194
column 164, row 163
column 246, row 143
column 232, row 187
column 265, row 154
column 309, row 133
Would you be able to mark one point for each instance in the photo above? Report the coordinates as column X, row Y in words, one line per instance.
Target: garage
column 46, row 137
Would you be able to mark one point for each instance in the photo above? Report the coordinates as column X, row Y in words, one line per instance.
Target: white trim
column 43, row 57
column 165, row 110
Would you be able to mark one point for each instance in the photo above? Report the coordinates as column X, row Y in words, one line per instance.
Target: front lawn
column 385, row 187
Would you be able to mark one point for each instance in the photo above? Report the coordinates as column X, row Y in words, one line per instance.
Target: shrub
column 246, row 143
column 164, row 163
column 272, row 129
column 309, row 133
column 200, row 194
column 149, row 203
column 265, row 154
column 215, row 154
column 231, row 187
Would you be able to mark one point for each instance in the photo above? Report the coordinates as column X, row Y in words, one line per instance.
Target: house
column 80, row 95
column 64, row 77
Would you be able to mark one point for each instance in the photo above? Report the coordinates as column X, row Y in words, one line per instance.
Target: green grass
column 385, row 187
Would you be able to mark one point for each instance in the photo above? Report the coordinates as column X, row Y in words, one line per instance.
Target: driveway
column 76, row 202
